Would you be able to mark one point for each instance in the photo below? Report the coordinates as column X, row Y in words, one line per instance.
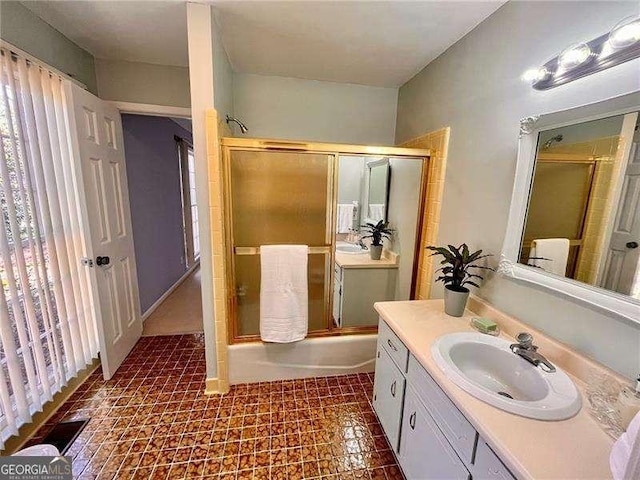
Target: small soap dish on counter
column 485, row 325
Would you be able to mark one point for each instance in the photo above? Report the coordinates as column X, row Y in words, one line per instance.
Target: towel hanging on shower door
column 284, row 298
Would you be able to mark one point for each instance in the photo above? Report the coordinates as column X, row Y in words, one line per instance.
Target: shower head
column 548, row 143
column 243, row 127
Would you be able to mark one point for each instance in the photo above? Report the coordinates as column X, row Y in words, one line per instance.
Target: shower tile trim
column 215, row 130
column 438, row 143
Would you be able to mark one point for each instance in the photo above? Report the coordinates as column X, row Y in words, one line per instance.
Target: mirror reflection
column 378, row 187
column 583, row 218
column 371, row 189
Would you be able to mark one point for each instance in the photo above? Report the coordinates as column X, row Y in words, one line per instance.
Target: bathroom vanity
column 437, row 430
column 359, row 282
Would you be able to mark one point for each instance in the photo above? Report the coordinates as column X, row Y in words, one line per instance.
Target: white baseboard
column 164, row 296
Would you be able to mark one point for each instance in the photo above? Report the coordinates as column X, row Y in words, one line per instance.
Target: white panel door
column 100, row 161
column 623, row 255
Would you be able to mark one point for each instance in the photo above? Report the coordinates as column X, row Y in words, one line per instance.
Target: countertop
column 363, row 260
column 576, row 448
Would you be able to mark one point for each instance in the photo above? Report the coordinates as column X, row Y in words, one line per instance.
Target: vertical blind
column 47, row 325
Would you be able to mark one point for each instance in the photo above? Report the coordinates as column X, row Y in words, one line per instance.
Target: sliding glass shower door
column 278, row 197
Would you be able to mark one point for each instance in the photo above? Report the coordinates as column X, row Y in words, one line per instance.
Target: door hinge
column 87, row 262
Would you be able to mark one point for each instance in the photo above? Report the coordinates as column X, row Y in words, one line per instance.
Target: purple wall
column 153, row 173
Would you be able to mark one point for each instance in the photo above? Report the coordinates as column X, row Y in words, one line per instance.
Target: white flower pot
column 375, row 251
column 455, row 302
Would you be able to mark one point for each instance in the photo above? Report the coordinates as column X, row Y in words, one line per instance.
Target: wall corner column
column 201, row 80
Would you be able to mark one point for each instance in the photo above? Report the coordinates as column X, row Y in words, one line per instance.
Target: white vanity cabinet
column 357, row 289
column 431, row 438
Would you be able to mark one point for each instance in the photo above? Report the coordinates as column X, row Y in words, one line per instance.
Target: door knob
column 632, row 245
column 102, row 261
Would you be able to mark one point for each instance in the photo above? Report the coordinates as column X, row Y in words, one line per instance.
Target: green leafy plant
column 377, row 232
column 458, row 264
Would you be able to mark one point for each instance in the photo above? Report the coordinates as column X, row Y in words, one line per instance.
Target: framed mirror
column 574, row 223
column 377, row 198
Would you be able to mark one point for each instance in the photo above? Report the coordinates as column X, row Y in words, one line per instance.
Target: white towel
column 624, row 459
column 376, row 211
column 284, row 300
column 345, row 217
column 552, row 254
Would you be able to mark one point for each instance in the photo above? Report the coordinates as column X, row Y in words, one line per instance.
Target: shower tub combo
column 286, row 193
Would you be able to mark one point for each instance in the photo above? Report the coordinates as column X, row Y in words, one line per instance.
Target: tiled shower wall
column 438, row 142
column 216, row 129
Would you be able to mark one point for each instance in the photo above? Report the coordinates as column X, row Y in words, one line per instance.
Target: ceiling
column 370, row 43
column 137, row 31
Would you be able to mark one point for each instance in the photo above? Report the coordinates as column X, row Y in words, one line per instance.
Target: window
column 47, row 326
column 189, row 207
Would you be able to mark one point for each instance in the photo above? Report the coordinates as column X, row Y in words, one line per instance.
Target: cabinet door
column 425, row 453
column 487, row 465
column 388, row 392
column 362, row 287
column 337, row 302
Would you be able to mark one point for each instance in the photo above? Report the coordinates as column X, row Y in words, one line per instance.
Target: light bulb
column 625, row 33
column 535, row 74
column 574, row 56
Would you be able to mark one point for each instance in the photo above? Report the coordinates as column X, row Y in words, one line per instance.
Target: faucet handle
column 525, row 340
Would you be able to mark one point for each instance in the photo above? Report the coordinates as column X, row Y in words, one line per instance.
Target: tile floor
column 153, row 421
column 180, row 313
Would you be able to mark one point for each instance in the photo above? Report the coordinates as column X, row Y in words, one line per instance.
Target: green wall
column 24, row 29
column 475, row 88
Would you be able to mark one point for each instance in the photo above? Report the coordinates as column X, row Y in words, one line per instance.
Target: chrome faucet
column 527, row 350
column 361, row 243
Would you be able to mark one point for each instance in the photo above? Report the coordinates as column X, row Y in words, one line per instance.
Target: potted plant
column 456, row 272
column 376, row 232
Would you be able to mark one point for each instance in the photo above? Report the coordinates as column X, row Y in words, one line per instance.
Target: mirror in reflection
column 378, row 190
column 583, row 217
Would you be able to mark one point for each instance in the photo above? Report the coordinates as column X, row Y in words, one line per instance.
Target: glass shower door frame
column 327, row 250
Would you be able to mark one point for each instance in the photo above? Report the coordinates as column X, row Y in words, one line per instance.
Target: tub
column 312, row 357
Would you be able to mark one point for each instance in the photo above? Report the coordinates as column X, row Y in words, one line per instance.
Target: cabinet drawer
column 424, row 451
column 453, row 424
column 388, row 396
column 392, row 344
column 488, row 466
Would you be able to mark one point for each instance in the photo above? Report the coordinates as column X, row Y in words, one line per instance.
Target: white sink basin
column 349, row 248
column 485, row 367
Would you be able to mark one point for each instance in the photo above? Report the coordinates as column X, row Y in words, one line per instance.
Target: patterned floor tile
column 152, row 420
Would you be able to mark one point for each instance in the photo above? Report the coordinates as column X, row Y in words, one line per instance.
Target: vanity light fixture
column 574, row 56
column 536, row 75
column 625, row 33
column 613, row 48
